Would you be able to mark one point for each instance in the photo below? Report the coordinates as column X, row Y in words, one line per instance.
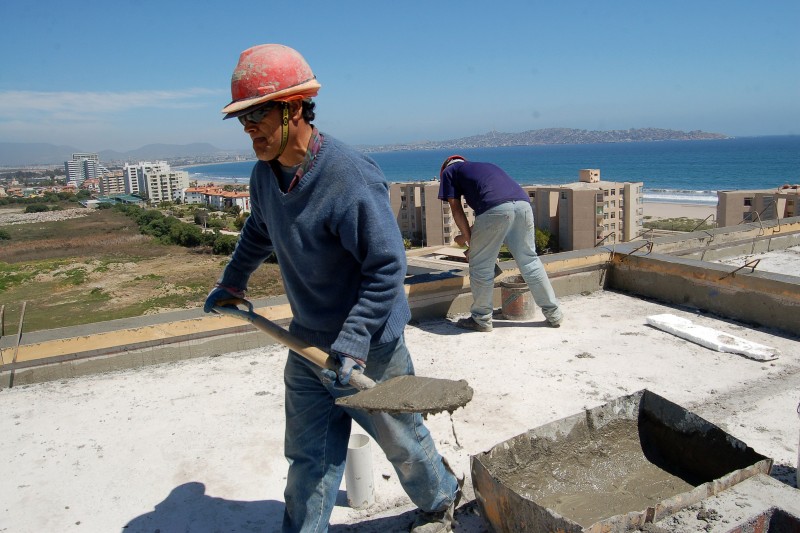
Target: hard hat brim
column 307, row 89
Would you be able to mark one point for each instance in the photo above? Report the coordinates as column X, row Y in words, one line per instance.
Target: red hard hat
column 269, row 72
column 449, row 161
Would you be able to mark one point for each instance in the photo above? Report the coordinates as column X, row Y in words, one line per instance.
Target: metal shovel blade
column 401, row 394
column 411, row 394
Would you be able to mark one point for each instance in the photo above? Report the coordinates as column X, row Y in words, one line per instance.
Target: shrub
column 36, row 208
column 4, row 235
column 224, row 244
column 545, row 241
column 200, row 217
column 240, row 220
column 186, row 235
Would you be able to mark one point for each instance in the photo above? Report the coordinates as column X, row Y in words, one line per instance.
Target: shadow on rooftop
column 786, row 474
column 189, row 508
column 467, row 518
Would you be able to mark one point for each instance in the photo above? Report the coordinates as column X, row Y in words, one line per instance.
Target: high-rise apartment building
column 156, row 181
column 422, row 218
column 590, row 211
column 112, row 182
column 82, row 167
column 735, row 207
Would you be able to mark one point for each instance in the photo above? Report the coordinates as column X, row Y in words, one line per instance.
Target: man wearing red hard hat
column 324, row 210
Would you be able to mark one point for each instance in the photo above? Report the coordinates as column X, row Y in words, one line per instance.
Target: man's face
column 266, row 134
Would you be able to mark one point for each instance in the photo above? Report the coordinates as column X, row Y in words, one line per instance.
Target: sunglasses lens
column 257, row 115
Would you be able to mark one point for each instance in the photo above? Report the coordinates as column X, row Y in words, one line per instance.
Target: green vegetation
column 170, row 230
column 75, row 276
column 545, row 242
column 14, row 275
column 102, row 266
column 679, row 224
column 36, row 208
column 50, row 198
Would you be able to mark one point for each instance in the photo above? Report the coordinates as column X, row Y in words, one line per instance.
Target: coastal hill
column 12, row 154
column 17, row 154
column 495, row 139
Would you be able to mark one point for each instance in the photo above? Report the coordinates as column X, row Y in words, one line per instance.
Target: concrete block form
column 633, row 461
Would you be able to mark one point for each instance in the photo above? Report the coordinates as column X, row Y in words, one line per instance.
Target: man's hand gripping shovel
column 401, row 394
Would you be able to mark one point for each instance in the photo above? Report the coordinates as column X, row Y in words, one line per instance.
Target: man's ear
column 295, row 110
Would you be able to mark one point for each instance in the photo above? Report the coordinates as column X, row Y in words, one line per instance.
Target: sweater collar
column 314, row 145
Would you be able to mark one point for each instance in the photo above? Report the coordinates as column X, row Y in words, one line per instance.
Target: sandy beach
column 669, row 210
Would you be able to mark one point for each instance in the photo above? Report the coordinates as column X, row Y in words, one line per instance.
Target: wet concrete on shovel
column 411, row 394
column 587, row 480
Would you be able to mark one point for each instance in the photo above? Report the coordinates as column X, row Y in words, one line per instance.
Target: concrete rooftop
column 195, row 442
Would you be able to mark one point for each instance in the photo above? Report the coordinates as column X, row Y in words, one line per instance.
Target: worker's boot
column 470, row 323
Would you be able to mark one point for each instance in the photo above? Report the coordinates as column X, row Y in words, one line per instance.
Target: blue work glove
column 348, row 364
column 221, row 296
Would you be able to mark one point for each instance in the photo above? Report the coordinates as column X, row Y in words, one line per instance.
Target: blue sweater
column 338, row 246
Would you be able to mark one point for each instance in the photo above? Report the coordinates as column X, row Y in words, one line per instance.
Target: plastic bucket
column 517, row 299
column 358, row 472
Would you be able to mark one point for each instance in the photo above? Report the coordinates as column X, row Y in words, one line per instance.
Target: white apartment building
column 156, row 181
column 134, row 179
column 216, row 197
column 194, row 195
column 82, row 167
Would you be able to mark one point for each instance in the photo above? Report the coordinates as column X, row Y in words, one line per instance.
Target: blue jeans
column 510, row 223
column 317, row 432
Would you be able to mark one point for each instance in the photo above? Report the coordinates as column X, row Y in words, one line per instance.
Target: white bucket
column 358, row 472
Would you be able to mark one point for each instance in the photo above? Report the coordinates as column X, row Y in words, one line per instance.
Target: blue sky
column 119, row 74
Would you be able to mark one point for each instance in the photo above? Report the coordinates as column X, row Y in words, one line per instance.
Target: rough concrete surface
column 785, row 261
column 196, row 445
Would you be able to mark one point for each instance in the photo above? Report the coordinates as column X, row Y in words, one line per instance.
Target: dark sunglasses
column 258, row 114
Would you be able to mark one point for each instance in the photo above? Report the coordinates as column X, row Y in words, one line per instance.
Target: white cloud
column 74, row 105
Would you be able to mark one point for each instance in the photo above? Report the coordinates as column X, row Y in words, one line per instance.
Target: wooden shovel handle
column 308, row 351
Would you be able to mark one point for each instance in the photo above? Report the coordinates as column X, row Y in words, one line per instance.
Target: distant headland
column 203, row 153
column 495, row 139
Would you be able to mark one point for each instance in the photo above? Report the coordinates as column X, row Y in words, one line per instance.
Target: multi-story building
column 156, row 181
column 134, row 177
column 196, row 195
column 216, row 197
column 82, row 167
column 735, row 207
column 586, row 213
column 579, row 215
column 422, row 218
column 112, row 182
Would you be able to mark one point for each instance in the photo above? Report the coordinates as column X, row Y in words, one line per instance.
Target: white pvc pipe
column 358, row 472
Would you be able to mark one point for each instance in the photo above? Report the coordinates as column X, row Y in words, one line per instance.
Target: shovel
column 400, row 394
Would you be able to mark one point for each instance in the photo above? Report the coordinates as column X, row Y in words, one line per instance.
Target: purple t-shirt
column 483, row 185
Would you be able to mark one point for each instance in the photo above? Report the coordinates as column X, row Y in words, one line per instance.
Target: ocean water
column 672, row 171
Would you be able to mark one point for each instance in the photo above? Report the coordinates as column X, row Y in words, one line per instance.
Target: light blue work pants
column 317, row 432
column 510, row 223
